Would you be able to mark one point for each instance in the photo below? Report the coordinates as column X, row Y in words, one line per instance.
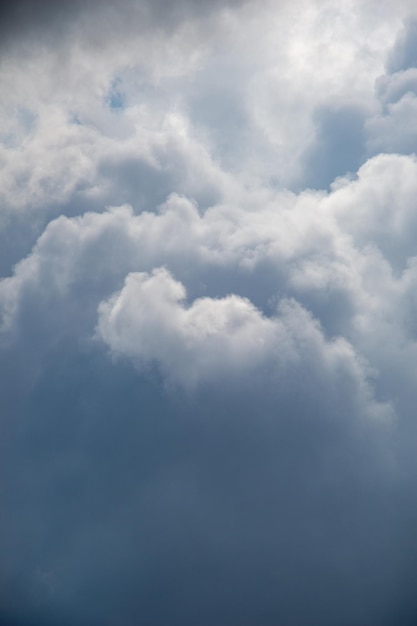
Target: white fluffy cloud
column 220, row 339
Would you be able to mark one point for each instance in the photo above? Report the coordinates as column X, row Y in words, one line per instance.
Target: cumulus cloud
column 212, row 338
column 208, row 313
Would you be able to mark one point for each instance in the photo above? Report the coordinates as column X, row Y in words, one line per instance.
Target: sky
column 208, row 313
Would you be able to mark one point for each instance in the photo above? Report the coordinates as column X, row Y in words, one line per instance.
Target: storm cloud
column 208, row 336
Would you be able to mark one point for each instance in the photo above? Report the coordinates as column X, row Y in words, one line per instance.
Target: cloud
column 49, row 21
column 292, row 404
column 344, row 255
column 212, row 339
column 207, row 314
column 404, row 53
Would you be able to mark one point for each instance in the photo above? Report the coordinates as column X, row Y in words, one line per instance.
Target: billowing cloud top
column 208, row 313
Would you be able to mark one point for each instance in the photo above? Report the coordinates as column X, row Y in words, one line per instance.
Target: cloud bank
column 207, row 313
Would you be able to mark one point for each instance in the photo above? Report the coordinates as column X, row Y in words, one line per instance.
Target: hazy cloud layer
column 208, row 333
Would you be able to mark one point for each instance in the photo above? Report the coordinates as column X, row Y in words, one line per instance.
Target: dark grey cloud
column 47, row 21
column 240, row 506
column 21, row 18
